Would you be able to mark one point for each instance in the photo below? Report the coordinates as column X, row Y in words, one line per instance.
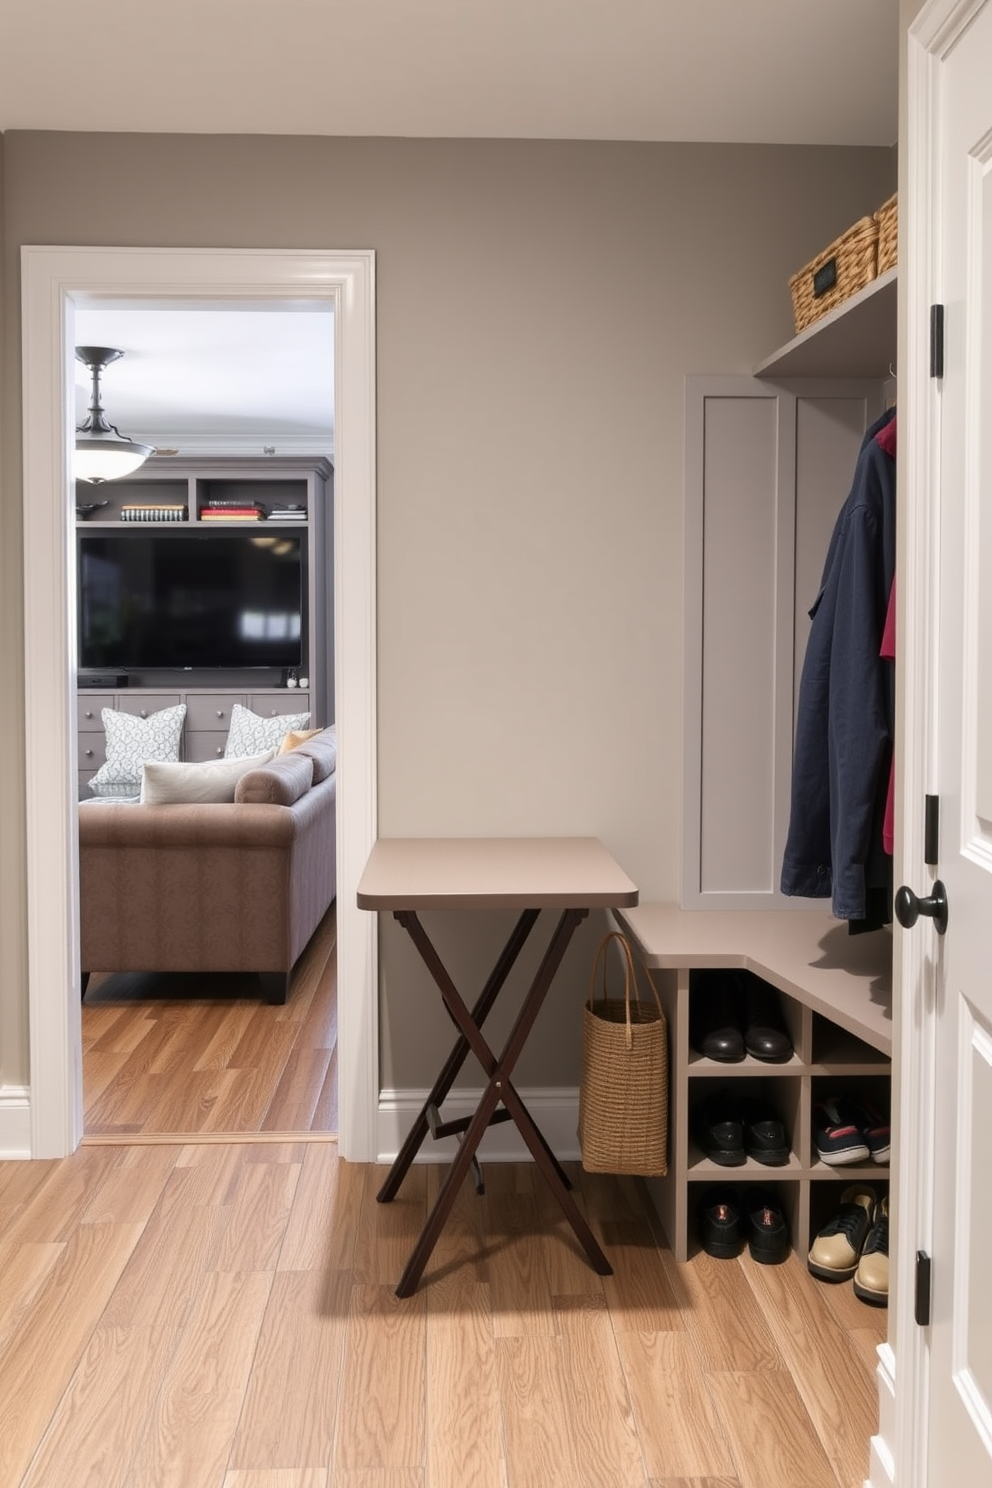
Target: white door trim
column 52, row 278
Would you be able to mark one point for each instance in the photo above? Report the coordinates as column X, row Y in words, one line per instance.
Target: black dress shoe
column 714, row 1019
column 767, row 1231
column 765, row 1034
column 764, row 1132
column 718, row 1221
column 720, row 1129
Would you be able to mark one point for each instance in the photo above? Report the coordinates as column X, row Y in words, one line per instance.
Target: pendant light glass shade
column 103, row 453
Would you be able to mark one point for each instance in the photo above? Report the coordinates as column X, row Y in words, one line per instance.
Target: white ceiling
column 746, row 71
column 225, row 379
column 759, row 71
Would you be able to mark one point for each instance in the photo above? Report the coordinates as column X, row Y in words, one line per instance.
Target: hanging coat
column 844, row 725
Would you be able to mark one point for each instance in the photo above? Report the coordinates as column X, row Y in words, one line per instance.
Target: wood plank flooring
column 222, row 1315
column 202, row 1296
column 191, row 1055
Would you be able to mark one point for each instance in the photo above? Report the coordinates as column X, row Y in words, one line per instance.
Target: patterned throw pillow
column 131, row 741
column 250, row 733
column 166, row 784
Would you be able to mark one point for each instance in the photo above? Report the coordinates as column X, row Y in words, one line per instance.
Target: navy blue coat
column 844, row 724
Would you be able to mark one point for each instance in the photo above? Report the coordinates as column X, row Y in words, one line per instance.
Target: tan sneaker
column 836, row 1251
column 871, row 1280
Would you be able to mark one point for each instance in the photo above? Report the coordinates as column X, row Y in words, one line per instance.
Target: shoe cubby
column 825, row 1198
column 744, row 1098
column 873, row 1089
column 830, row 990
column 785, row 1193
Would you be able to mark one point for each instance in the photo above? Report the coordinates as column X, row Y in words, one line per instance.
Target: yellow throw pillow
column 297, row 736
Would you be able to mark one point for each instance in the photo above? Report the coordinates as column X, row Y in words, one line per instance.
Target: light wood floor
column 204, row 1054
column 192, row 1301
column 222, row 1315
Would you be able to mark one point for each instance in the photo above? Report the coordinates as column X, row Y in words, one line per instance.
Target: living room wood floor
column 170, row 1054
column 202, row 1312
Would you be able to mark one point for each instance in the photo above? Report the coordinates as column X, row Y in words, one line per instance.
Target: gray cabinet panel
column 768, row 467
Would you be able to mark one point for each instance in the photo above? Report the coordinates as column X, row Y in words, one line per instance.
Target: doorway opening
column 211, row 388
column 54, row 281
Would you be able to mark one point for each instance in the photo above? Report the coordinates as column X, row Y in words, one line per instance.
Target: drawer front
column 204, row 744
column 92, row 751
column 89, row 708
column 210, row 711
column 144, row 704
column 273, row 705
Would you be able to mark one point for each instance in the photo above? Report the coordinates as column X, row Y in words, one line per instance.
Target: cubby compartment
column 744, row 1098
column 111, row 501
column 870, row 1089
column 826, row 1198
column 274, row 494
column 836, row 1050
column 785, row 1191
column 713, row 985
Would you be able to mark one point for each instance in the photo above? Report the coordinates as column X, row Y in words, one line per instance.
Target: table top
column 493, row 873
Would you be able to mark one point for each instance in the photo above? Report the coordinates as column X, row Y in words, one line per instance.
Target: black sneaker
column 718, row 1221
column 767, row 1232
column 837, row 1133
column 720, row 1129
column 875, row 1128
column 764, row 1132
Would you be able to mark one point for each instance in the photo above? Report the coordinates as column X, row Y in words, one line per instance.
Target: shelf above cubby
column 858, row 339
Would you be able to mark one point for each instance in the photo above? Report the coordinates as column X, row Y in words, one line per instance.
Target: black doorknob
column 909, row 908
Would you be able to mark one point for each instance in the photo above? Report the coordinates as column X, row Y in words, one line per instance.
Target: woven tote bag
column 623, row 1095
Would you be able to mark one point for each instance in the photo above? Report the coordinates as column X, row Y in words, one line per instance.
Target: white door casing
column 944, row 1370
column 52, row 279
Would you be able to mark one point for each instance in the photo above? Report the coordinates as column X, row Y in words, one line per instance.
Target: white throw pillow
column 250, row 733
column 131, row 741
column 168, row 784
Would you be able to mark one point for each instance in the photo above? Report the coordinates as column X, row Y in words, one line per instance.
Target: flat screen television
column 174, row 600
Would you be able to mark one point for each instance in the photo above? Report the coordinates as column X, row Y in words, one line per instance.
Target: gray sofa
column 235, row 886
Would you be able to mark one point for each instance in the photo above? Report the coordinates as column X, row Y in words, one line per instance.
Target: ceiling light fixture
column 102, row 452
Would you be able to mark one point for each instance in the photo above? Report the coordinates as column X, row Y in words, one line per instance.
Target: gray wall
column 538, row 307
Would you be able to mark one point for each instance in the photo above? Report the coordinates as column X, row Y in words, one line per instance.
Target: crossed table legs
column 499, row 1090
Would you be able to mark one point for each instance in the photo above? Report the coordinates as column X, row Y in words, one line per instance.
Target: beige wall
column 538, row 306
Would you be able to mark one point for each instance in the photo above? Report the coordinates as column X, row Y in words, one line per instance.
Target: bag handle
column 629, row 977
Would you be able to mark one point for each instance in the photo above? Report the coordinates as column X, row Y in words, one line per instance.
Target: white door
column 959, row 1428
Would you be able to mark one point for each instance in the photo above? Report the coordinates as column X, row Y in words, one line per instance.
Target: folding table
column 406, row 875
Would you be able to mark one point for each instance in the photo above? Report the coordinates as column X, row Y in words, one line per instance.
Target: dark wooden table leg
column 499, row 1089
column 456, row 1058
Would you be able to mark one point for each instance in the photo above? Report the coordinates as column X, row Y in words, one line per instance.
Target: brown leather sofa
column 238, row 886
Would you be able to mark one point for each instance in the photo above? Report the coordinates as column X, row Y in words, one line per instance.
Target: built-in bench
column 836, row 998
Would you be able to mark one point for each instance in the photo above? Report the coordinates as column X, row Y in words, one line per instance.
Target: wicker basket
column 887, row 218
column 623, row 1097
column 846, row 266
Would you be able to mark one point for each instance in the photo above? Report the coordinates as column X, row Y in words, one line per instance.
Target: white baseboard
column 881, row 1465
column 555, row 1109
column 15, row 1122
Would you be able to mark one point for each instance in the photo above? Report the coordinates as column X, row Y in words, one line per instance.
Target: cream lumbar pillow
column 187, row 784
column 132, row 741
column 250, row 733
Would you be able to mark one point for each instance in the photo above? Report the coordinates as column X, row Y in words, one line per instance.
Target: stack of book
column 232, row 511
column 149, row 511
column 287, row 511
